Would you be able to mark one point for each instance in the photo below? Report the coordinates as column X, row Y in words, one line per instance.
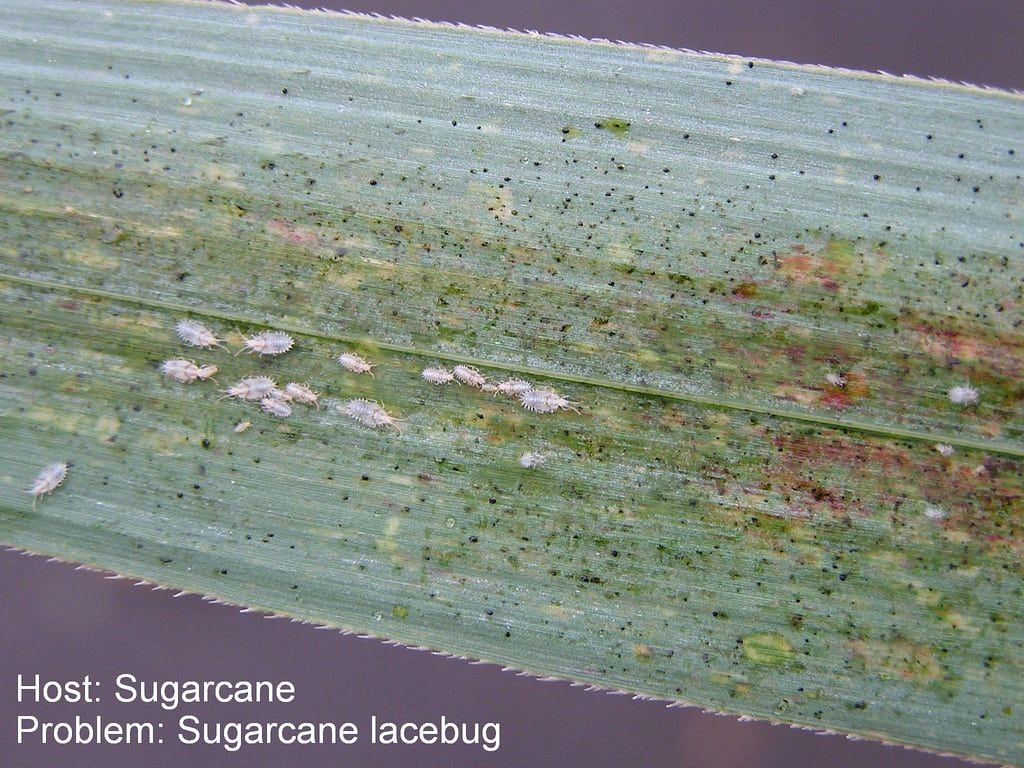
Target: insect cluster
column 259, row 389
column 273, row 399
column 535, row 399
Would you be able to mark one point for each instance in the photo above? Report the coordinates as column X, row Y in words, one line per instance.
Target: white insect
column 963, row 395
column 267, row 343
column 206, row 372
column 469, row 375
column 186, row 371
column 836, row 379
column 241, row 426
column 352, row 362
column 545, row 400
column 514, row 387
column 529, row 460
column 276, row 407
column 934, row 513
column 945, row 450
column 300, row 393
column 48, row 480
column 196, row 334
column 435, row 374
column 369, row 414
column 252, row 388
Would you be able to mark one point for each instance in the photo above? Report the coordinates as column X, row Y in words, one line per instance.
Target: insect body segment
column 468, row 375
column 435, row 374
column 545, row 400
column 276, row 407
column 268, row 343
column 252, row 388
column 185, row 371
column 963, row 395
column 353, row 363
column 513, row 387
column 529, row 460
column 51, row 476
column 369, row 414
column 196, row 334
column 300, row 393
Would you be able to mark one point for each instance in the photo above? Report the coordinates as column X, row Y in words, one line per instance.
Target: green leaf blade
column 718, row 525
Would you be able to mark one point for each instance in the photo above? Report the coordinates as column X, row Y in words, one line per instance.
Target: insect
column 196, row 334
column 545, row 400
column 252, row 388
column 267, row 343
column 529, row 460
column 514, row 387
column 836, row 379
column 242, row 426
column 435, row 374
column 369, row 414
column 944, row 449
column 469, row 375
column 276, row 407
column 350, row 361
column 300, row 393
column 51, row 476
column 186, row 371
column 963, row 395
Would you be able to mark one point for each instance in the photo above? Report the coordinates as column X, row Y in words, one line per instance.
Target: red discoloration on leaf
column 1003, row 355
column 901, row 480
column 796, row 353
column 798, row 264
column 292, row 233
column 823, row 267
column 855, row 388
column 837, row 398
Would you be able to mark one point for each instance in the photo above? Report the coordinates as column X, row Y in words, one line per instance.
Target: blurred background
column 64, row 623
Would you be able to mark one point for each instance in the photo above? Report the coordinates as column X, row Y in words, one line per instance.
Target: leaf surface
column 694, row 249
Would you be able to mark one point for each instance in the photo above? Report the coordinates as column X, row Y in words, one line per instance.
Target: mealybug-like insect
column 252, row 388
column 529, row 460
column 276, row 407
column 944, row 449
column 196, row 334
column 369, row 414
column 186, row 371
column 267, row 343
column 300, row 393
column 435, row 374
column 836, row 379
column 963, row 395
column 514, row 387
column 352, row 362
column 241, row 426
column 545, row 400
column 47, row 481
column 469, row 375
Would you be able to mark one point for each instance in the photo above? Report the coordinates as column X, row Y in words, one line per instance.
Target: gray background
column 64, row 623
